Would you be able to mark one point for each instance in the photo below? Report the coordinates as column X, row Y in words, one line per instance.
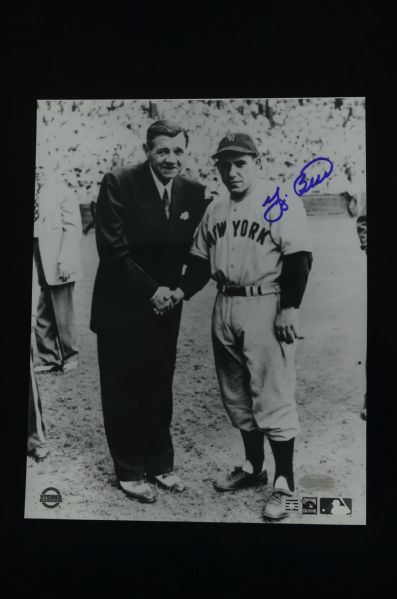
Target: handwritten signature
column 301, row 186
column 272, row 202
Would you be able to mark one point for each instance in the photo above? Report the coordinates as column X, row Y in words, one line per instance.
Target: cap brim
column 236, row 149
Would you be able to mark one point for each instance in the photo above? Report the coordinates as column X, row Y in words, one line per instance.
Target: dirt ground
column 330, row 389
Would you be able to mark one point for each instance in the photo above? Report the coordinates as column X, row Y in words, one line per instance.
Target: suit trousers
column 136, row 368
column 36, row 429
column 55, row 323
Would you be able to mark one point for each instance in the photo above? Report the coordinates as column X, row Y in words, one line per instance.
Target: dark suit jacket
column 139, row 249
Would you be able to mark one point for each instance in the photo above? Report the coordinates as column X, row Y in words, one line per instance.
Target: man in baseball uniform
column 261, row 268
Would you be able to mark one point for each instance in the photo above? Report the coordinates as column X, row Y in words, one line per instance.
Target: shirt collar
column 160, row 186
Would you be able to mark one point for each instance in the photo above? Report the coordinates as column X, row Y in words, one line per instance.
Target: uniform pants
column 136, row 372
column 55, row 323
column 36, row 429
column 256, row 372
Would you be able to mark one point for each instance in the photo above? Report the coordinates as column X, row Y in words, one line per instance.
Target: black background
column 126, row 51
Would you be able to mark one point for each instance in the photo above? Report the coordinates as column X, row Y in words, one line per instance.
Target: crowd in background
column 83, row 139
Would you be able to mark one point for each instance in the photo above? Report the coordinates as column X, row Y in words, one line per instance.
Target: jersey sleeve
column 199, row 246
column 290, row 232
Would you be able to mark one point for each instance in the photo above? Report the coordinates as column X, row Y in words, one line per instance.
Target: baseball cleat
column 138, row 489
column 275, row 508
column 170, row 481
column 240, row 479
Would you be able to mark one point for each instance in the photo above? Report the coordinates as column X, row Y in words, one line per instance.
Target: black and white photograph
column 199, row 311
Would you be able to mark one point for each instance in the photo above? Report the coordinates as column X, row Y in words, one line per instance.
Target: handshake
column 165, row 299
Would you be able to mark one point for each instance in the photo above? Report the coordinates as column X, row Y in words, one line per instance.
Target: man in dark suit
column 145, row 220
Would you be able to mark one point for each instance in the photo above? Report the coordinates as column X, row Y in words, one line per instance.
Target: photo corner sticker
column 51, row 497
column 336, row 506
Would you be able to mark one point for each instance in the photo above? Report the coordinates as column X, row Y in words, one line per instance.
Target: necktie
column 36, row 207
column 167, row 203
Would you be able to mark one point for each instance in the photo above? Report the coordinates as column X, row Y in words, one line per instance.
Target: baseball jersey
column 242, row 247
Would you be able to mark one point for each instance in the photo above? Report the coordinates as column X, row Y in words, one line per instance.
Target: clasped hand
column 165, row 299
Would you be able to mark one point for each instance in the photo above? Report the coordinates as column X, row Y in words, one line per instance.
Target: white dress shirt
column 160, row 186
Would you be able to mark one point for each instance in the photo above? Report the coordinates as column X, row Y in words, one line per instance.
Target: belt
column 249, row 291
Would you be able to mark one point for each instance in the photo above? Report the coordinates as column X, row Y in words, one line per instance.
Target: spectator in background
column 37, row 447
column 362, row 228
column 362, row 233
column 57, row 234
column 91, row 223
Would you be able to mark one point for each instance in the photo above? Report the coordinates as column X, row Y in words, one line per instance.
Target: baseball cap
column 236, row 142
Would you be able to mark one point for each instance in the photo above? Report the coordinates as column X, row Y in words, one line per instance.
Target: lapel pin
column 184, row 216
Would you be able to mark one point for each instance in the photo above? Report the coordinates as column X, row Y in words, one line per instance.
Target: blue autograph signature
column 301, row 186
column 272, row 202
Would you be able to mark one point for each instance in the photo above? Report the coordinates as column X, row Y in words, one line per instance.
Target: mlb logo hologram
column 336, row 506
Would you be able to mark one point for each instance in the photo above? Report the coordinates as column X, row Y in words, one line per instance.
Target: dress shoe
column 39, row 453
column 138, row 489
column 68, row 366
column 40, row 368
column 170, row 481
column 363, row 413
column 240, row 479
